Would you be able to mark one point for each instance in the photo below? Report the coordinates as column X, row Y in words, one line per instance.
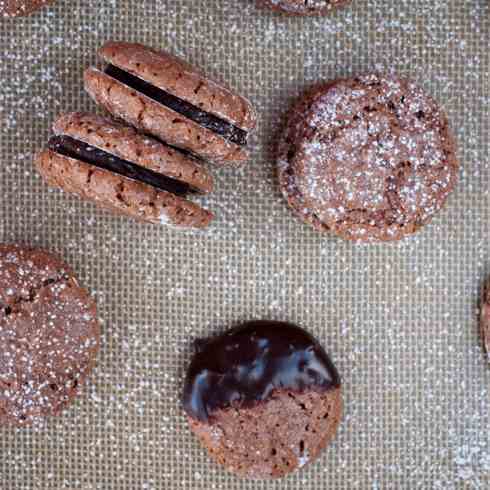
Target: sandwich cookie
column 485, row 320
column 18, row 8
column 49, row 335
column 264, row 398
column 163, row 95
column 369, row 158
column 305, row 7
column 124, row 171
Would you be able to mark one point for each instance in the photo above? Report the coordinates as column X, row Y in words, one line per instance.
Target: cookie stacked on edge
column 179, row 118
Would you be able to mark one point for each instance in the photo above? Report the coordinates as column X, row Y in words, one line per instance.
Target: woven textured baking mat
column 400, row 321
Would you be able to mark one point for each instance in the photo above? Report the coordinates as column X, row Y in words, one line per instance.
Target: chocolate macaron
column 124, row 171
column 264, row 398
column 305, row 7
column 485, row 320
column 18, row 8
column 369, row 158
column 163, row 95
column 49, row 335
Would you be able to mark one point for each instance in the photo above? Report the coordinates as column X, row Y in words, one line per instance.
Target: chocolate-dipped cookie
column 485, row 320
column 49, row 335
column 264, row 398
column 124, row 171
column 304, row 7
column 18, row 8
column 163, row 95
column 369, row 158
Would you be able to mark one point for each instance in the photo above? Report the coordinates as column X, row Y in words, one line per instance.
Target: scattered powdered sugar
column 374, row 145
column 9, row 8
column 303, row 459
column 164, row 219
column 305, row 6
column 399, row 321
column 48, row 336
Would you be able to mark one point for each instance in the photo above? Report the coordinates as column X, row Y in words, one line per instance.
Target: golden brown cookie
column 164, row 96
column 368, row 158
column 264, row 398
column 49, row 335
column 124, row 171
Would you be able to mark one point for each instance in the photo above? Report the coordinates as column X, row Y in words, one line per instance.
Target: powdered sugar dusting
column 375, row 156
column 306, row 6
column 12, row 8
column 400, row 321
column 48, row 336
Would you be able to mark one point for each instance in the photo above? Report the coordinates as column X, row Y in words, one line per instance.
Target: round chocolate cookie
column 485, row 320
column 264, row 398
column 368, row 158
column 49, row 335
column 17, row 8
column 305, row 7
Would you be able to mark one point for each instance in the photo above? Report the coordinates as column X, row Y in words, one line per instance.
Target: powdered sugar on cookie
column 305, row 7
column 373, row 158
column 48, row 335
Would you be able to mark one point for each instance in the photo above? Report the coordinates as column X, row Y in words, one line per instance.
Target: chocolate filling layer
column 73, row 148
column 245, row 365
column 210, row 121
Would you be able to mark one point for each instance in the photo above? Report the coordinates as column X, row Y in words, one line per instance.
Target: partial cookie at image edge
column 21, row 8
column 301, row 7
column 485, row 320
column 49, row 335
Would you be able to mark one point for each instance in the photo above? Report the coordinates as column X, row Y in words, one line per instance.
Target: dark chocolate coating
column 245, row 365
column 209, row 121
column 73, row 148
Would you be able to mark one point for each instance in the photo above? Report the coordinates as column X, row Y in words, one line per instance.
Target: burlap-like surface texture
column 400, row 320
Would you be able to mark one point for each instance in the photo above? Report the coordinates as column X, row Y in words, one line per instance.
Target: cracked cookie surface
column 305, row 7
column 118, row 192
column 49, row 335
column 264, row 398
column 369, row 158
column 164, row 96
column 18, row 8
column 151, row 117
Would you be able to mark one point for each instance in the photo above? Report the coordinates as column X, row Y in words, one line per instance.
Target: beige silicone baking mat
column 400, row 321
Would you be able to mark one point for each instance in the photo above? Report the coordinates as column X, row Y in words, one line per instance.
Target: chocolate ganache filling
column 245, row 365
column 73, row 148
column 219, row 126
